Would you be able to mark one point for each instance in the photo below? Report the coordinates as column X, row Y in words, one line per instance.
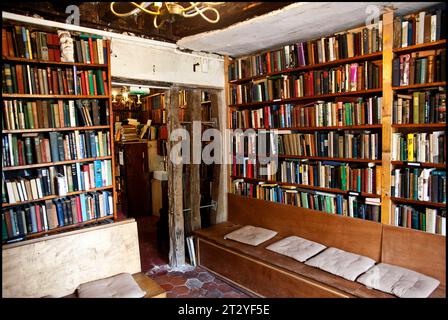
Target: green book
column 423, row 70
column 423, row 222
column 29, row 113
column 415, row 113
column 28, row 151
column 15, row 150
column 421, row 107
column 99, row 82
column 91, row 86
column 327, row 204
column 343, row 178
column 4, row 228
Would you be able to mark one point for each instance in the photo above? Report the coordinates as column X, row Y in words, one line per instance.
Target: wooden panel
column 415, row 250
column 259, row 277
column 57, row 264
column 350, row 234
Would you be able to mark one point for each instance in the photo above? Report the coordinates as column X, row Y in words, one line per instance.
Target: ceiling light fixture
column 171, row 8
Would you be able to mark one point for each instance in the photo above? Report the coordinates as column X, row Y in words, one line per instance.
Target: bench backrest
column 353, row 235
column 416, row 250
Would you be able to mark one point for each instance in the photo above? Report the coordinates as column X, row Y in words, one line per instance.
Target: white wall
column 141, row 61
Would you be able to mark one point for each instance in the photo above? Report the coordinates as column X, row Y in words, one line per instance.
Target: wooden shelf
column 55, row 63
column 65, row 228
column 441, row 126
column 371, row 56
column 418, row 202
column 51, row 96
column 419, row 164
column 56, row 129
column 48, row 164
column 305, row 98
column 420, row 86
column 329, row 159
column 422, row 46
column 305, row 186
column 355, row 127
column 6, row 205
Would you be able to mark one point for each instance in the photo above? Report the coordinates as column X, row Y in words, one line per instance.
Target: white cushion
column 119, row 286
column 297, row 248
column 251, row 235
column 403, row 283
column 341, row 263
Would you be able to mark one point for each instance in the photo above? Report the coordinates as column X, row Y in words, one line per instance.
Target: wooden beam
column 194, row 111
column 388, row 19
column 175, row 206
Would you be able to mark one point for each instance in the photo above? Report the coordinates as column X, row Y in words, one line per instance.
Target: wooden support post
column 388, row 19
column 175, row 206
column 194, row 112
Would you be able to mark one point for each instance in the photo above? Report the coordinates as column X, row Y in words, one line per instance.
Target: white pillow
column 251, row 235
column 121, row 285
column 403, row 283
column 341, row 263
column 297, row 248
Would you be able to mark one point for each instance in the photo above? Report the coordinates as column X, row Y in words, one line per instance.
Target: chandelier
column 172, row 8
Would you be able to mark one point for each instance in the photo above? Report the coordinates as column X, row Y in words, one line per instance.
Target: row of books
column 340, row 46
column 23, row 220
column 429, row 220
column 362, row 111
column 59, row 181
column 367, row 208
column 419, row 67
column 359, row 145
column 27, row 79
column 419, row 147
column 35, row 148
column 419, row 107
column 345, row 78
column 324, row 174
column 426, row 184
column 18, row 114
column 418, row 28
column 24, row 42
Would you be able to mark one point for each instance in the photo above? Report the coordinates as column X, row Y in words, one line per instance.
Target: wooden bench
column 268, row 274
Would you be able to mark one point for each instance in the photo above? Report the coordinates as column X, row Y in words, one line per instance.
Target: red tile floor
column 187, row 282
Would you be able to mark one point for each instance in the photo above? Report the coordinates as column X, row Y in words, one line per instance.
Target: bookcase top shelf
column 306, row 186
column 51, row 96
column 421, row 86
column 422, row 46
column 49, row 164
column 355, row 127
column 284, row 156
column 418, row 202
column 105, row 127
column 420, row 126
column 419, row 164
column 306, row 98
column 5, row 205
column 371, row 56
column 54, row 63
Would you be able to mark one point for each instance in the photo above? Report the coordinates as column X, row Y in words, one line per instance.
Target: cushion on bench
column 251, row 235
column 341, row 263
column 121, row 285
column 297, row 248
column 399, row 281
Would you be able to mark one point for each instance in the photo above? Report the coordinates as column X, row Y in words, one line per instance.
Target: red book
column 10, row 43
column 268, row 61
column 5, row 48
column 57, row 50
column 92, row 60
column 19, row 75
column 50, row 47
column 78, row 209
column 105, row 84
column 49, row 81
column 43, row 150
column 54, row 78
column 95, row 90
column 20, row 151
column 65, row 83
column 39, row 222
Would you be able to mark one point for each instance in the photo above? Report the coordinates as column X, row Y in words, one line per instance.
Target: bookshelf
column 250, row 116
column 51, row 186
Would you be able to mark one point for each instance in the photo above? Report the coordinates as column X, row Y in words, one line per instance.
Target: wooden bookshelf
column 329, row 159
column 325, row 128
column 419, row 164
column 420, row 86
column 422, row 46
column 310, row 187
column 307, row 98
column 55, row 63
column 366, row 57
column 418, row 202
column 6, row 205
column 51, row 96
column 105, row 127
column 49, row 164
column 13, row 172
column 433, row 126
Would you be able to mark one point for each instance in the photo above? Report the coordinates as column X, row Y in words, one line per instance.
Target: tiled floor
column 186, row 282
